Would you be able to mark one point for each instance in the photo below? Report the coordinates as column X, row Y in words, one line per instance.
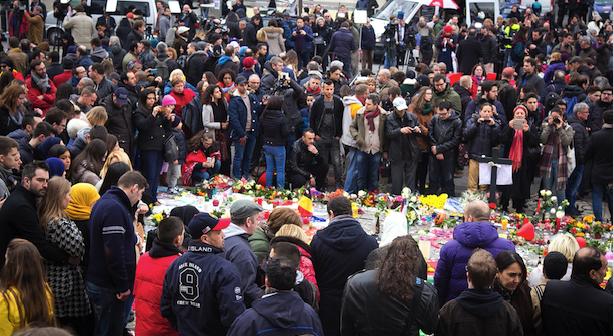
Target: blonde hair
column 292, row 230
column 173, row 52
column 97, row 116
column 261, row 36
column 50, row 206
column 566, row 244
column 120, row 155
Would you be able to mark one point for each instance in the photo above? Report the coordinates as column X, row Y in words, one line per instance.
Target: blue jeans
column 573, row 184
column 443, row 169
column 549, row 182
column 598, row 191
column 351, row 177
column 368, row 169
column 150, row 166
column 275, row 160
column 243, row 156
column 108, row 310
column 199, row 176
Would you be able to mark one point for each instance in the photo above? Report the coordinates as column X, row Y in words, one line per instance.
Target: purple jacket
column 450, row 276
column 343, row 43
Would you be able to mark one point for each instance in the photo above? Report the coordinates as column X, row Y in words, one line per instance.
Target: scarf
column 516, row 150
column 546, row 164
column 42, row 83
column 17, row 118
column 82, row 197
column 427, row 109
column 370, row 116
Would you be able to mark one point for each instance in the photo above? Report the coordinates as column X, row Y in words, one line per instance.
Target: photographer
column 556, row 137
column 18, row 25
column 302, row 36
column 37, row 25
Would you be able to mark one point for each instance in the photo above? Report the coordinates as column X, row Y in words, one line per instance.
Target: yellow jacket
column 12, row 323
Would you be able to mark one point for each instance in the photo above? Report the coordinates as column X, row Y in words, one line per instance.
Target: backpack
column 517, row 53
column 551, row 98
column 571, row 102
column 193, row 116
column 162, row 68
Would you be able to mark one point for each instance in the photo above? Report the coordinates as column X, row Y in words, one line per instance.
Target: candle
column 525, row 221
column 558, row 224
column 425, row 248
column 504, row 224
column 539, row 203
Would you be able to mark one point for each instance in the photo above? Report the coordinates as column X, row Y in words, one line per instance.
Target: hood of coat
column 272, row 30
column 474, row 234
column 480, row 302
column 272, row 114
column 280, row 309
column 349, row 100
column 572, row 91
column 343, row 233
column 234, row 230
column 116, row 49
column 99, row 52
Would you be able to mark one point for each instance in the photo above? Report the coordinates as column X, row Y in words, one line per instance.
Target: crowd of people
column 86, row 139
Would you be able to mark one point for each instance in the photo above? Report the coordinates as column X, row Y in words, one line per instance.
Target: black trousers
column 319, row 171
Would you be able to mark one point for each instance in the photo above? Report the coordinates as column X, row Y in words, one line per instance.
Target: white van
column 148, row 7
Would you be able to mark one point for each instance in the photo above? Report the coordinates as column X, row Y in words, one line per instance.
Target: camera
column 556, row 120
column 61, row 9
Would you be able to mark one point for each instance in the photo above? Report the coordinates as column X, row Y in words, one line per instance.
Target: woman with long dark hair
column 478, row 76
column 62, row 153
column 153, row 124
column 226, row 81
column 274, row 129
column 64, row 91
column 114, row 172
column 422, row 108
column 65, row 280
column 202, row 161
column 510, row 282
column 25, row 296
column 519, row 46
column 89, row 163
column 5, row 80
column 215, row 121
column 12, row 109
column 390, row 291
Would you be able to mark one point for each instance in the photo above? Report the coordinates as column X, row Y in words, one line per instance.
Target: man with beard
column 603, row 104
column 127, row 80
column 18, row 218
column 41, row 91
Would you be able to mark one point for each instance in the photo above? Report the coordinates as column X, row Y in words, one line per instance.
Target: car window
column 394, row 6
column 122, row 7
column 487, row 8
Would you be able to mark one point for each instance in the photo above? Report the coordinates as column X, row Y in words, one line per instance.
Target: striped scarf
column 546, row 164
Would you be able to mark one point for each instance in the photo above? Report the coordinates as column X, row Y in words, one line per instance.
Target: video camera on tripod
column 60, row 9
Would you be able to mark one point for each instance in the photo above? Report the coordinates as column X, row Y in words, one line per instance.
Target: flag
column 404, row 208
column 305, row 207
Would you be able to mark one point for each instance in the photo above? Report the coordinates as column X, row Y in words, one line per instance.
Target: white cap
column 182, row 29
column 234, row 44
column 399, row 103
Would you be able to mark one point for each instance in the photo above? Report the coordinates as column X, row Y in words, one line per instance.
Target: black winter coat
column 249, row 35
column 18, row 219
column 338, row 251
column 300, row 158
column 464, row 95
column 596, row 116
column 7, row 124
column 445, row 134
column 274, row 128
column 396, row 139
column 195, row 67
column 134, row 36
column 317, row 114
column 118, row 57
column 598, row 158
column 468, row 53
column 481, row 137
column 122, row 32
column 490, row 49
column 368, row 37
column 581, row 138
column 524, row 176
column 387, row 314
column 152, row 129
column 343, row 43
column 119, row 122
column 577, row 307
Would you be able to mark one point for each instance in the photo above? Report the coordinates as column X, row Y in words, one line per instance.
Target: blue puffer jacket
column 302, row 43
column 450, row 276
column 481, row 137
column 554, row 66
column 338, row 251
column 281, row 313
column 343, row 43
column 202, row 293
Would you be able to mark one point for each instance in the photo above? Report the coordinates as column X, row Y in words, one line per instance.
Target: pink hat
column 168, row 100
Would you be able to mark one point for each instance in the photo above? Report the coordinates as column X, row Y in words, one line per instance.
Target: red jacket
column 148, row 283
column 182, row 99
column 62, row 78
column 33, row 93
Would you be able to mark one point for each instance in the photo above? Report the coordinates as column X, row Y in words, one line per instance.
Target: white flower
column 353, row 196
column 553, row 211
column 345, row 194
column 542, row 192
column 414, row 199
column 560, row 214
column 548, row 192
column 294, row 200
column 361, row 193
column 553, row 199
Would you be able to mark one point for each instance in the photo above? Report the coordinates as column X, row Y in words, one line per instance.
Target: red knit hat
column 448, row 29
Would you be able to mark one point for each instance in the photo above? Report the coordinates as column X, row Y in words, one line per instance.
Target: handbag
column 571, row 159
column 171, row 150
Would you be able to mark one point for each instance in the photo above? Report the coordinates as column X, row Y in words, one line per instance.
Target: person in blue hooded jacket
column 337, row 252
column 450, row 275
column 201, row 293
column 302, row 36
column 281, row 310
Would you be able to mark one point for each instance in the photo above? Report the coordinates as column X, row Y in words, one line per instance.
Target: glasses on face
column 605, row 94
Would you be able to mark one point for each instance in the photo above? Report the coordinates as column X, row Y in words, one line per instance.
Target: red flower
column 574, row 230
column 492, row 205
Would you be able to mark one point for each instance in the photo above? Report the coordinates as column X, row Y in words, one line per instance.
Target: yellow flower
column 581, row 225
column 580, row 234
column 158, row 217
column 588, row 219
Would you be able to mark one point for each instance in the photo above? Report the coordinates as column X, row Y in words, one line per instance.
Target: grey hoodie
column 347, row 138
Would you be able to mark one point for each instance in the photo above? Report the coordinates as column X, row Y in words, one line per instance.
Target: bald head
column 477, row 211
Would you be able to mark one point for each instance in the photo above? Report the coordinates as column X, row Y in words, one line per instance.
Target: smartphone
column 518, row 124
column 153, row 71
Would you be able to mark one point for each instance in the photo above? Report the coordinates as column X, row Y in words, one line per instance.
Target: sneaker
column 172, row 190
